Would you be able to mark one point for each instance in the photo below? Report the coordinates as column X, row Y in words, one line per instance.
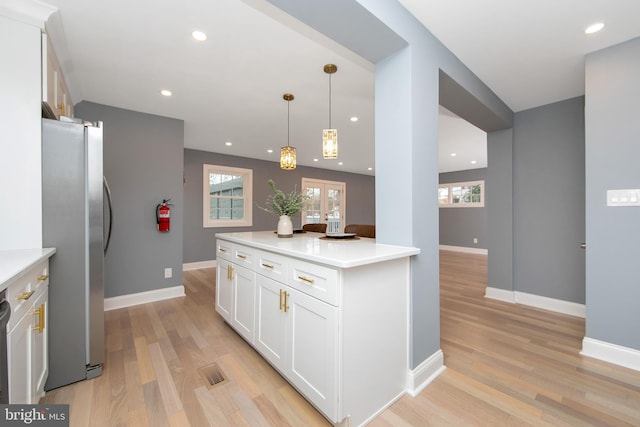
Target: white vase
column 285, row 226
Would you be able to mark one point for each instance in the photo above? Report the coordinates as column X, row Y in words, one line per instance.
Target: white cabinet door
column 244, row 297
column 224, row 289
column 271, row 318
column 19, row 361
column 312, row 350
column 39, row 348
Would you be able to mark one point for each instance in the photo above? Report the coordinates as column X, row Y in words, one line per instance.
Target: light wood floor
column 508, row 365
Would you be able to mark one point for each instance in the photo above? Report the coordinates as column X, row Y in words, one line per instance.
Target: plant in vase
column 284, row 205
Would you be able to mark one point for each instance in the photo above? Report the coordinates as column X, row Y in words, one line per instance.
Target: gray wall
column 548, row 200
column 612, row 114
column 199, row 242
column 459, row 226
column 143, row 160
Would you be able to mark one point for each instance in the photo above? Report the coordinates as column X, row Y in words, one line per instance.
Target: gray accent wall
column 199, row 242
column 460, row 225
column 612, row 113
column 548, row 200
column 143, row 161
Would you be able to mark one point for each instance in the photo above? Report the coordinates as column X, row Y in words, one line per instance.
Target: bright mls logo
column 36, row 415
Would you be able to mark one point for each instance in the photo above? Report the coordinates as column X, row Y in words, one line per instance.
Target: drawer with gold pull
column 272, row 265
column 315, row 280
column 23, row 292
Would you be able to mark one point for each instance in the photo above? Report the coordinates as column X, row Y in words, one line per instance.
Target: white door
column 271, row 317
column 313, row 350
column 244, row 296
column 326, row 204
column 39, row 346
column 224, row 289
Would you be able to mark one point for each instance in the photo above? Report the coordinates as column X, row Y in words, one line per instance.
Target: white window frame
column 324, row 186
column 247, row 196
column 449, row 203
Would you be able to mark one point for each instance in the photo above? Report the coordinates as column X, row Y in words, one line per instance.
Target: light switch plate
column 623, row 197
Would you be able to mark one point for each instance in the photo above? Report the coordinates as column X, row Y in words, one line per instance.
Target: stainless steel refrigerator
column 73, row 221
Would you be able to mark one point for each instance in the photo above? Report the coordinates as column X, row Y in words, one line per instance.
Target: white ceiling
column 230, row 87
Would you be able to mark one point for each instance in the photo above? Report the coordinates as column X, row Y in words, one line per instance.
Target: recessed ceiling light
column 199, row 35
column 369, row 169
column 594, row 28
column 228, row 144
column 453, row 154
column 354, row 119
column 269, row 150
column 473, row 162
column 315, row 160
column 340, row 163
column 165, row 92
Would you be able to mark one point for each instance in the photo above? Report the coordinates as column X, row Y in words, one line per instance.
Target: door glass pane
column 313, row 206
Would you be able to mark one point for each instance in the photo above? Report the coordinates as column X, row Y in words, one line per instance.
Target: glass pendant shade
column 288, row 158
column 329, row 144
column 288, row 153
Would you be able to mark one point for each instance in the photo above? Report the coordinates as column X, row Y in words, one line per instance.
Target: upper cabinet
column 54, row 88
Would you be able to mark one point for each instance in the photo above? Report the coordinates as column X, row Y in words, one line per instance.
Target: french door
column 326, row 203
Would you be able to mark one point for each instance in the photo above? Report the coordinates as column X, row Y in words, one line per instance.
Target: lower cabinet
column 338, row 335
column 298, row 334
column 224, row 289
column 27, row 338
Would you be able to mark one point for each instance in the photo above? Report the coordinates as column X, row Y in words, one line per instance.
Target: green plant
column 281, row 203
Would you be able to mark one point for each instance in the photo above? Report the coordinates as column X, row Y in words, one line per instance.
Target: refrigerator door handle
column 108, row 192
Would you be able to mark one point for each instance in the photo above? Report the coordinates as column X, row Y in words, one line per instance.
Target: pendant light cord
column 330, row 102
column 288, row 123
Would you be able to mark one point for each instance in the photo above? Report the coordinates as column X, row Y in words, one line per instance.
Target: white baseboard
column 546, row 303
column 479, row 251
column 198, row 265
column 424, row 373
column 500, row 294
column 123, row 301
column 612, row 353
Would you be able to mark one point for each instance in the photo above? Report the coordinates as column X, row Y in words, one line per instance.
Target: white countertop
column 14, row 263
column 342, row 253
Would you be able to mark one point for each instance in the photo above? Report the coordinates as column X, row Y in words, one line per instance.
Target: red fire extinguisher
column 163, row 216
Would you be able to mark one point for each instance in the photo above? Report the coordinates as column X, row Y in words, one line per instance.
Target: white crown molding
column 30, row 12
column 123, row 301
column 612, row 353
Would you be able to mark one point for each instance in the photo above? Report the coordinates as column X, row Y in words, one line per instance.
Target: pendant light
column 288, row 153
column 330, row 136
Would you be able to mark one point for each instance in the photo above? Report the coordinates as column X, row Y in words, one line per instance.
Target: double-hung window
column 227, row 196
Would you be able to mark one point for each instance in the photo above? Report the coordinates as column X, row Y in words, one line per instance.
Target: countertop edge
column 396, row 253
column 21, row 261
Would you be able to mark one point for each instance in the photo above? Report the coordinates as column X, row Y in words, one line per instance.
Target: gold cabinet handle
column 40, row 312
column 280, row 299
column 306, row 279
column 43, row 277
column 270, row 267
column 222, row 250
column 230, row 272
column 241, row 256
column 23, row 296
column 286, row 307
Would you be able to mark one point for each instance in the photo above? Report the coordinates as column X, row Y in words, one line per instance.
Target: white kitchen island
column 332, row 315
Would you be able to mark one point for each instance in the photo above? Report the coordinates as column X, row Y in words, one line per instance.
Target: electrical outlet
column 167, row 273
column 475, row 240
